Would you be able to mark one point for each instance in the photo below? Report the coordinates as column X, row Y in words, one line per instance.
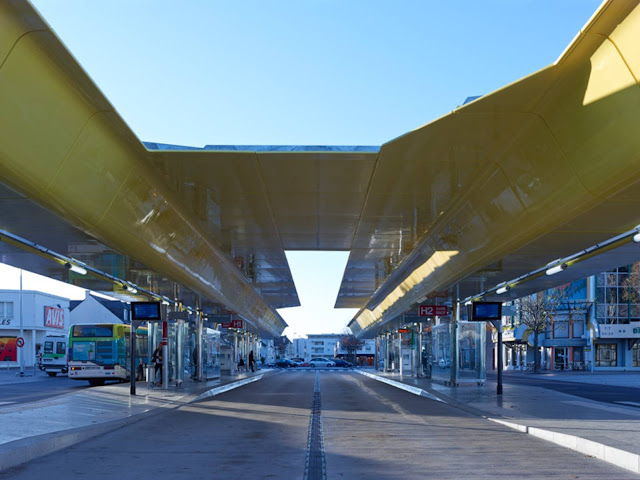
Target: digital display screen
column 149, row 311
column 486, row 311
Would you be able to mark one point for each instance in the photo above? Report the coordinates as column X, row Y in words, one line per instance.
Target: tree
column 631, row 284
column 280, row 345
column 351, row 344
column 537, row 314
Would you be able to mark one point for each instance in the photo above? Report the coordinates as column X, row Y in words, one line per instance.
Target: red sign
column 232, row 324
column 20, row 342
column 54, row 317
column 433, row 310
column 403, row 330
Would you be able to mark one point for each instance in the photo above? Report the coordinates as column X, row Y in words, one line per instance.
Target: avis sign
column 433, row 310
column 54, row 317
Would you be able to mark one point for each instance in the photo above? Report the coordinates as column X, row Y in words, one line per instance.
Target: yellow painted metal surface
column 534, row 171
column 62, row 144
column 551, row 168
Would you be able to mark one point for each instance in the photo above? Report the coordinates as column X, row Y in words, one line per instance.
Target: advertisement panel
column 8, row 349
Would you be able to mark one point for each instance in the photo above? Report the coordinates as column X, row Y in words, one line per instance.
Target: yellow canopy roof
column 537, row 170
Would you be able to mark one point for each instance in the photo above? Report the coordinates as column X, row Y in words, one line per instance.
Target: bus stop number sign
column 433, row 310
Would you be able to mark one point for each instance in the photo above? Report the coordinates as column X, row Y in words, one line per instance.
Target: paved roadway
column 39, row 388
column 371, row 431
column 616, row 394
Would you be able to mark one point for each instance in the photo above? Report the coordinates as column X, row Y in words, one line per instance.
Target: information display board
column 146, row 311
column 485, row 311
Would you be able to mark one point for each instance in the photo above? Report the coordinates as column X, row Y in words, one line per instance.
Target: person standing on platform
column 252, row 361
column 157, row 360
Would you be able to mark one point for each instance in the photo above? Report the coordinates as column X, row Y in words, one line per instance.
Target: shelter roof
column 535, row 171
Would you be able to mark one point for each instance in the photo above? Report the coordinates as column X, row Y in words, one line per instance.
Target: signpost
column 433, row 310
column 490, row 312
column 140, row 312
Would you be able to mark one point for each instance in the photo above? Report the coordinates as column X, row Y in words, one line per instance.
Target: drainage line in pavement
column 315, row 465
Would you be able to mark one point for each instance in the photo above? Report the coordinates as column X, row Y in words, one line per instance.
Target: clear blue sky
column 298, row 72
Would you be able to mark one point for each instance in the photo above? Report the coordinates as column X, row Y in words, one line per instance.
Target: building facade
column 40, row 314
column 595, row 327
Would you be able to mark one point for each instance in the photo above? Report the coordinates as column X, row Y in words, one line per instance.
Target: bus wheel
column 96, row 382
column 52, row 374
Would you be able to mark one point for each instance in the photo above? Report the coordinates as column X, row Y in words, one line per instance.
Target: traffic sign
column 433, row 310
column 20, row 342
column 232, row 324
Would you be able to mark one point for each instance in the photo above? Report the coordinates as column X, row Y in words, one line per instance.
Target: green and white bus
column 101, row 351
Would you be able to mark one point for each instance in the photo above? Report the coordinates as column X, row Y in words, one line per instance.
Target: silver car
column 321, row 362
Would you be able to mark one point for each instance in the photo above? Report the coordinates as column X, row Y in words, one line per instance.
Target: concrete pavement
column 604, row 431
column 368, row 430
column 600, row 430
column 30, row 430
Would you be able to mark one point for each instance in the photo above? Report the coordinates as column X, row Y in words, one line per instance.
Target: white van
column 54, row 355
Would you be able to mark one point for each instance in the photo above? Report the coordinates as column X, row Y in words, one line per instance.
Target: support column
column 234, row 354
column 33, row 348
column 376, row 365
column 419, row 366
column 199, row 342
column 387, row 367
column 454, row 344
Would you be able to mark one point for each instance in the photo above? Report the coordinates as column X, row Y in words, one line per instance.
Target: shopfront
column 617, row 347
column 42, row 314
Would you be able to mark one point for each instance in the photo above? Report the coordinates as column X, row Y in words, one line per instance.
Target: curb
column 22, row 451
column 619, row 458
column 225, row 388
column 402, row 386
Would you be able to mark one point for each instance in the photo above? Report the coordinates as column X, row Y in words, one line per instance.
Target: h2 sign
column 433, row 310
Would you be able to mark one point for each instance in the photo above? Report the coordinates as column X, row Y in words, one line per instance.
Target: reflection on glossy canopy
column 535, row 171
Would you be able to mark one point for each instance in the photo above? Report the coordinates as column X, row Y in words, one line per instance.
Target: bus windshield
column 92, row 331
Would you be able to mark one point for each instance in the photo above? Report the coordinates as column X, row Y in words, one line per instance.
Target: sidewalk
column 34, row 429
column 602, row 430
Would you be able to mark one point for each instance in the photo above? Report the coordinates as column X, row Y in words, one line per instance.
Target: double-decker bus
column 101, row 351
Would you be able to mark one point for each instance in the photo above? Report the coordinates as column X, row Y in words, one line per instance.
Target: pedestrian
column 252, row 362
column 157, row 360
column 195, row 363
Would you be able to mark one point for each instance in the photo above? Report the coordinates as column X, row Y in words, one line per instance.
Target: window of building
column 560, row 329
column 606, row 355
column 578, row 328
column 6, row 309
column 616, row 300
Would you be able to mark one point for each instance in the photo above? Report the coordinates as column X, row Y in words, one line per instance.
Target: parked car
column 321, row 362
column 297, row 360
column 285, row 363
column 342, row 363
